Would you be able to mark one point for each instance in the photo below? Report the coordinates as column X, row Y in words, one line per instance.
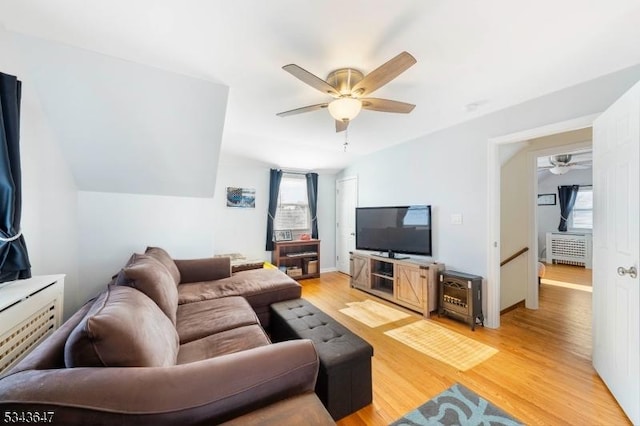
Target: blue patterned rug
column 457, row 406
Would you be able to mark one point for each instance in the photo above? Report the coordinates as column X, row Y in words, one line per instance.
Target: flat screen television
column 401, row 229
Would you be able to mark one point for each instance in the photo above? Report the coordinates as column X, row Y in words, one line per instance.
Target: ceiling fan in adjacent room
column 350, row 89
column 561, row 164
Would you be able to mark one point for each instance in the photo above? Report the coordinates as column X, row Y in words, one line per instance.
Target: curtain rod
column 295, row 173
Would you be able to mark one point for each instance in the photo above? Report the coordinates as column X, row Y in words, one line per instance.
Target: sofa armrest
column 208, row 269
column 203, row 392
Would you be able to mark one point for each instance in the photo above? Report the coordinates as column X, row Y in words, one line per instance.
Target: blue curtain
column 14, row 259
column 274, row 190
column 312, row 195
column 567, row 196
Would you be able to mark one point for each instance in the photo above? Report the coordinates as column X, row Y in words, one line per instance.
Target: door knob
column 353, row 233
column 632, row 272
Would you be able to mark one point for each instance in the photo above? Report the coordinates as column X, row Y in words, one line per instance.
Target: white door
column 616, row 249
column 346, row 202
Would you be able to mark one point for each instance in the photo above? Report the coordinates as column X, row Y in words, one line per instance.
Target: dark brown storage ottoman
column 344, row 379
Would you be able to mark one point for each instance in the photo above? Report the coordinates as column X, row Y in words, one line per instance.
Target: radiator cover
column 30, row 310
column 569, row 248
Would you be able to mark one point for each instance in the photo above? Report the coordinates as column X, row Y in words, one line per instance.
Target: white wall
column 244, row 230
column 549, row 216
column 49, row 215
column 516, row 191
column 327, row 221
column 421, row 172
column 113, row 226
column 448, row 169
column 241, row 230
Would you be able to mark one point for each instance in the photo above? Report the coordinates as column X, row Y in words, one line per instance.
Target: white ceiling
column 491, row 54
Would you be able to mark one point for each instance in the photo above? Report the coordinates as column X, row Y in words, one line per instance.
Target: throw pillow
column 123, row 328
column 151, row 277
column 163, row 257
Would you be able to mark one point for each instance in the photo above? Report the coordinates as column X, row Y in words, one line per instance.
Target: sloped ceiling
column 126, row 127
column 474, row 57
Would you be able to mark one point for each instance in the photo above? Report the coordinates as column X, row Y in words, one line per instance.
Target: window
column 293, row 204
column 582, row 215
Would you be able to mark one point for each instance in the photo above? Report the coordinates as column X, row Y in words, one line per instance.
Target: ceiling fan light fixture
column 560, row 160
column 345, row 109
column 559, row 170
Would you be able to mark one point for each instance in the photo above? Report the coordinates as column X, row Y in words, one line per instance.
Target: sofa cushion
column 201, row 319
column 223, row 343
column 205, row 269
column 148, row 275
column 123, row 328
column 163, row 257
column 261, row 287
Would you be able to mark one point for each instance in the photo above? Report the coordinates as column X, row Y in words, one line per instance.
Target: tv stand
column 406, row 282
column 391, row 255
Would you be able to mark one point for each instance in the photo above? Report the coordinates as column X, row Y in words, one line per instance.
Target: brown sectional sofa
column 172, row 342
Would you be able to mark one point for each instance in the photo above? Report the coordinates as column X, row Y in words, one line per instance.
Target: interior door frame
column 492, row 318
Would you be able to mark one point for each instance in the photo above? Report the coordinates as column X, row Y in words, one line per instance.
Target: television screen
column 405, row 229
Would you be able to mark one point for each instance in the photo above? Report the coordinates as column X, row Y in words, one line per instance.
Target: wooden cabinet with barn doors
column 360, row 271
column 407, row 282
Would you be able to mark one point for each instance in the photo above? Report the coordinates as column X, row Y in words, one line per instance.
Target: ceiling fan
column 350, row 89
column 561, row 164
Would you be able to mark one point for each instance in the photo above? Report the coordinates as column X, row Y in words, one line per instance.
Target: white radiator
column 569, row 248
column 30, row 310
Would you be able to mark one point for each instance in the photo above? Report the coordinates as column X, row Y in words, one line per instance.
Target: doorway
column 494, row 213
column 566, row 258
column 526, row 175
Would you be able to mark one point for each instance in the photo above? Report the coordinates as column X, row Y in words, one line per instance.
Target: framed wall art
column 546, row 199
column 241, row 197
column 282, row 235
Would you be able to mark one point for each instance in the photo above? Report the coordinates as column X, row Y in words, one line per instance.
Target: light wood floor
column 542, row 374
column 568, row 274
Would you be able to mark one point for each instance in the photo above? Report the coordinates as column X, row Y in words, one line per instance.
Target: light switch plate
column 456, row 219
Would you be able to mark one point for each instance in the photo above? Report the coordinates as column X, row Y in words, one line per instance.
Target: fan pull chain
column 346, row 139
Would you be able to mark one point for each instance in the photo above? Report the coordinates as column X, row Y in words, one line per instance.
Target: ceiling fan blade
column 386, row 105
column 312, row 80
column 383, row 74
column 301, row 110
column 579, row 166
column 341, row 126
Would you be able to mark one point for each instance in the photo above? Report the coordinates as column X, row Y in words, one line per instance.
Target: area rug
column 443, row 344
column 457, row 406
column 372, row 313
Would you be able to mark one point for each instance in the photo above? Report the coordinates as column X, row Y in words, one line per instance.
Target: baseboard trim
column 520, row 304
column 333, row 269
